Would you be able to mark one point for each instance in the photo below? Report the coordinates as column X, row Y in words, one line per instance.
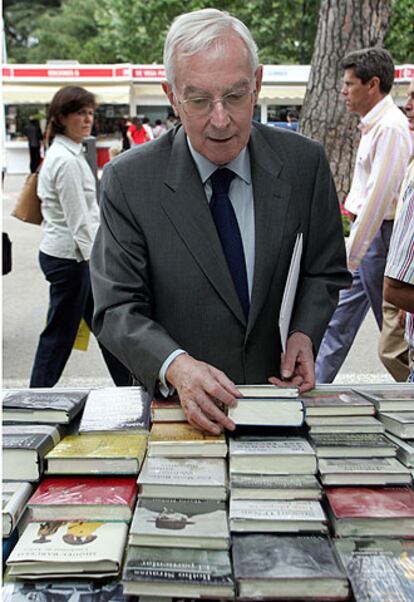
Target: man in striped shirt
column 399, row 272
column 383, row 154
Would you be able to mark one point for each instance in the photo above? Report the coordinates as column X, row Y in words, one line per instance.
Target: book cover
column 119, row 409
column 334, row 402
column 267, row 391
column 399, row 423
column 273, row 487
column 344, row 424
column 69, row 549
column 14, row 498
column 180, row 440
column 267, row 412
column 352, row 444
column 279, row 567
column 289, row 292
column 24, row 449
column 180, row 523
column 167, row 410
column 394, row 397
column 43, row 405
column 84, row 498
column 98, row 454
column 380, row 569
column 372, row 512
column 405, row 450
column 177, row 572
column 271, row 455
column 66, row 590
column 363, row 471
column 184, row 478
column 277, row 515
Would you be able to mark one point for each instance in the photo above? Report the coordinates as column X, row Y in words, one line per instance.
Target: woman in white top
column 67, row 190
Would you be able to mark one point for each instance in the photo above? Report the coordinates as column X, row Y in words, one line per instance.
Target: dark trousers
column 35, row 158
column 70, row 299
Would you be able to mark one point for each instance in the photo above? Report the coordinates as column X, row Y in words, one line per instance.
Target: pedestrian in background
column 67, row 190
column 383, row 154
column 34, row 136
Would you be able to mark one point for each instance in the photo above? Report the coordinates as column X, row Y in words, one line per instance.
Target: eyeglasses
column 203, row 106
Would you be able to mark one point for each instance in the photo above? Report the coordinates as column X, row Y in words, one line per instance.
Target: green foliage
column 400, row 38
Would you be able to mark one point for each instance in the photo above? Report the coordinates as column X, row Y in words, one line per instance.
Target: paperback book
column 181, row 440
column 357, row 445
column 405, row 450
column 277, row 516
column 399, row 423
column 178, row 572
column 184, row 478
column 326, row 401
column 66, row 590
column 69, row 549
column 279, row 567
column 167, row 410
column 98, row 454
column 270, row 412
column 84, row 498
column 389, row 398
column 271, row 455
column 267, row 391
column 274, row 487
column 116, row 410
column 371, row 512
column 343, row 424
column 380, row 570
column 14, row 500
column 180, row 524
column 54, row 406
column 363, row 471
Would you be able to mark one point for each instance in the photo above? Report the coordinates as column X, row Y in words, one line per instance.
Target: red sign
column 147, row 72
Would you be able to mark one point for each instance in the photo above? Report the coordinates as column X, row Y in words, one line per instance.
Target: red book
column 84, row 498
column 371, row 512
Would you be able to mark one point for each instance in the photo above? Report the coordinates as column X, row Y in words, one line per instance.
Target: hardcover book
column 14, row 498
column 116, row 409
column 277, row 516
column 371, row 512
column 391, row 398
column 267, row 391
column 274, row 487
column 380, row 570
column 399, row 423
column 180, row 524
column 84, row 498
column 405, row 450
column 24, row 449
column 181, row 440
column 184, row 478
column 98, row 454
column 336, row 402
column 52, row 406
column 68, row 549
column 271, row 455
column 357, row 445
column 279, row 567
column 178, row 572
column 167, row 410
column 363, row 471
column 344, row 424
column 267, row 412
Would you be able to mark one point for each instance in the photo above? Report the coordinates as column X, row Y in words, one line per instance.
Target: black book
column 51, row 406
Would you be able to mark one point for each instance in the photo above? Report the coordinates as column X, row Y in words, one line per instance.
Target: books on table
column 97, row 454
column 184, row 478
column 24, row 449
column 181, row 440
column 343, row 424
column 357, row 445
column 167, row 410
column 116, row 409
column 177, row 572
column 14, row 501
column 363, row 471
column 292, row 516
column 399, row 423
column 279, row 567
column 389, row 398
column 405, row 450
column 180, row 523
column 271, row 455
column 371, row 512
column 336, row 401
column 68, row 549
column 267, row 405
column 84, row 498
column 274, row 487
column 380, row 569
column 54, row 406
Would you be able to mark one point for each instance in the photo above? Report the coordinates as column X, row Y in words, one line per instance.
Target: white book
column 289, row 293
column 184, row 478
column 14, row 500
column 399, row 423
column 405, row 450
column 277, row 516
column 363, row 471
column 274, row 487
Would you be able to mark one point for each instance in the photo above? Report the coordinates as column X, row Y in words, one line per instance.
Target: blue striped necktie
column 229, row 233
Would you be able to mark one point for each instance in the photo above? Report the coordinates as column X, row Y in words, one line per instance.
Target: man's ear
column 374, row 84
column 170, row 95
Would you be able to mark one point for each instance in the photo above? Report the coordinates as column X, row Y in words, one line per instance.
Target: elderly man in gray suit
column 197, row 232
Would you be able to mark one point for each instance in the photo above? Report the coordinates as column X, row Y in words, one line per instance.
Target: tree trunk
column 344, row 26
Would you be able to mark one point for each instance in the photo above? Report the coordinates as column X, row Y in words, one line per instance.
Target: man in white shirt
column 383, row 154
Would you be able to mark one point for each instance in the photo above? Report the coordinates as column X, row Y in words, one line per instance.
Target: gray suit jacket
column 160, row 280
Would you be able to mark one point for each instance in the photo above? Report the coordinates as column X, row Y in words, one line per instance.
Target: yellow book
column 181, row 440
column 97, row 454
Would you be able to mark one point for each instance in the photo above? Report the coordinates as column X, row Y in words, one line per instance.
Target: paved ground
column 25, row 294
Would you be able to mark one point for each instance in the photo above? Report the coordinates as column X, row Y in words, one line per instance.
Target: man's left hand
column 297, row 365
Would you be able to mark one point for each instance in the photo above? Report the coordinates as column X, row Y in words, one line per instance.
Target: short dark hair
column 372, row 62
column 68, row 99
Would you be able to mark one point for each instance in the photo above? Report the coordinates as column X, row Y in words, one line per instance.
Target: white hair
column 193, row 32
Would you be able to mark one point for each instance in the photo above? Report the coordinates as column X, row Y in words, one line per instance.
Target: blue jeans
column 70, row 300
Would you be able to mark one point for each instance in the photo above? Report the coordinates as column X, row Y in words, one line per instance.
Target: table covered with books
column 109, row 495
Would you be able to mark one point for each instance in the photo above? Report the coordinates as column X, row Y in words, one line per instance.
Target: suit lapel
column 186, row 205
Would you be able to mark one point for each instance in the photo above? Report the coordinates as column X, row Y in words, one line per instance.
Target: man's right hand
column 202, row 389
